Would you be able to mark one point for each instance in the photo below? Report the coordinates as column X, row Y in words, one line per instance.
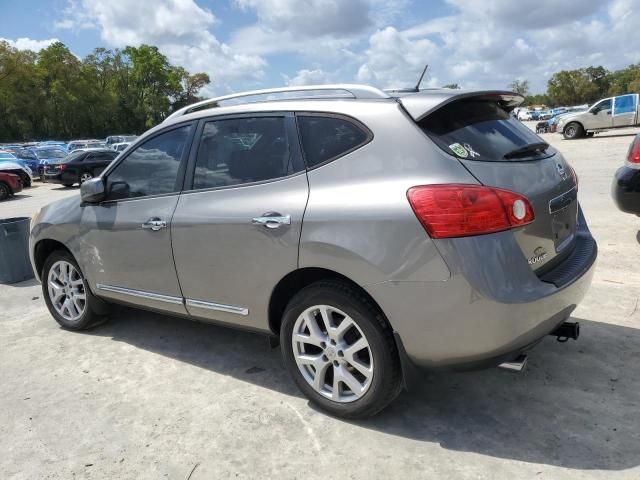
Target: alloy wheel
column 66, row 290
column 85, row 176
column 332, row 353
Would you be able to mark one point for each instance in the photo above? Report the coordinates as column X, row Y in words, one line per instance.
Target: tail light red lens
column 461, row 210
column 634, row 153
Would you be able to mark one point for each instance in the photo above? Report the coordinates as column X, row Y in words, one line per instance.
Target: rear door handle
column 272, row 220
column 154, row 224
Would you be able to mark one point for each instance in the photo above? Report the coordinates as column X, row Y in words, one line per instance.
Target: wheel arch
column 43, row 249
column 298, row 279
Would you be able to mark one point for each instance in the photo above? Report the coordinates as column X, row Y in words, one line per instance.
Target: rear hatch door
column 501, row 152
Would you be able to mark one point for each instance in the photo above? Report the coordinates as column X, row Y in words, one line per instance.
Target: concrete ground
column 147, row 396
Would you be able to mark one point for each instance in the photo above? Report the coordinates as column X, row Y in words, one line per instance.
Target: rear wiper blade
column 532, row 148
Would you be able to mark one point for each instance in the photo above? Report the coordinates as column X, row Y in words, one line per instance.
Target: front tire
column 340, row 350
column 573, row 130
column 67, row 293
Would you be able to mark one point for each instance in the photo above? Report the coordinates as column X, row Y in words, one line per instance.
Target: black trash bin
column 14, row 250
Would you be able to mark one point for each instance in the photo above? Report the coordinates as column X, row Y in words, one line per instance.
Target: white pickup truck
column 615, row 112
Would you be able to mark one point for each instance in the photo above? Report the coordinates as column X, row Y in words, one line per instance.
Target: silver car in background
column 370, row 233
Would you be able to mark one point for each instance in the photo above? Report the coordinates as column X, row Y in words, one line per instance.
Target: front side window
column 604, row 105
column 242, row 150
column 326, row 138
column 150, row 169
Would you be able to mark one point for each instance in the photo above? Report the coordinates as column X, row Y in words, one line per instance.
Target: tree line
column 53, row 94
column 583, row 85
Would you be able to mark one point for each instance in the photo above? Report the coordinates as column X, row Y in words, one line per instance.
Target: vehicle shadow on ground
column 62, row 187
column 576, row 406
column 17, row 197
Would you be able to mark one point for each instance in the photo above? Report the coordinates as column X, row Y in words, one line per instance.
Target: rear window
column 327, row 138
column 482, row 130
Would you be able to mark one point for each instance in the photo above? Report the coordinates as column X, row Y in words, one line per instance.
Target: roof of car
column 317, row 97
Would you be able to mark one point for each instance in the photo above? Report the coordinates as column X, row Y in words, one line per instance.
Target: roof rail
column 295, row 93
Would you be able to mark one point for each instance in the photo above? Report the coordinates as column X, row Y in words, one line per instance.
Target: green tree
column 453, row 86
column 572, row 87
column 626, row 80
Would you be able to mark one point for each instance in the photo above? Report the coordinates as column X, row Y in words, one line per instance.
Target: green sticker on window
column 459, row 150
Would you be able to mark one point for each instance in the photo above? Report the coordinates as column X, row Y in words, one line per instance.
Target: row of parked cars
column 56, row 162
column 621, row 111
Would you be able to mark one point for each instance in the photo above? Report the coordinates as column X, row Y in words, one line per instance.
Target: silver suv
column 371, row 233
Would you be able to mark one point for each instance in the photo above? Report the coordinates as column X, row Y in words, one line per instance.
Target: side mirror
column 92, row 191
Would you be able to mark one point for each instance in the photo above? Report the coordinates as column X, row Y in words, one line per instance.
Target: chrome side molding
column 140, row 294
column 217, row 306
column 221, row 307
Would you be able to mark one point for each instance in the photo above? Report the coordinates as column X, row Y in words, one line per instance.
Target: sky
column 250, row 44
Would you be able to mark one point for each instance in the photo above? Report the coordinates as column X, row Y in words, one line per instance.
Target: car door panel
column 624, row 110
column 233, row 243
column 228, row 264
column 131, row 263
column 128, row 236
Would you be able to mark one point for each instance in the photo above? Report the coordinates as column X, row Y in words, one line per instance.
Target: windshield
column 481, row 130
column 50, row 153
column 6, row 156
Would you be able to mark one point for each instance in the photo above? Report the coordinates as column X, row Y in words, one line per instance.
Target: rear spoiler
column 421, row 104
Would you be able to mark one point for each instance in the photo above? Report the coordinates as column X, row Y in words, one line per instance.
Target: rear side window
column 482, row 130
column 327, row 138
column 242, row 150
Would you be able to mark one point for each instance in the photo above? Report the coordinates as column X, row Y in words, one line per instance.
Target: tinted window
column 242, row 150
column 604, row 105
column 479, row 130
column 96, row 156
column 150, row 169
column 75, row 156
column 324, row 138
column 625, row 104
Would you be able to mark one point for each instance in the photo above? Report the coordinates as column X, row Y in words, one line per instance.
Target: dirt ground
column 147, row 396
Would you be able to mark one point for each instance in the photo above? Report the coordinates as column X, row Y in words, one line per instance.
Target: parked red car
column 10, row 184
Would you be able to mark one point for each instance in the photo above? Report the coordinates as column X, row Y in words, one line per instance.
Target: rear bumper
column 493, row 307
column 625, row 190
column 56, row 178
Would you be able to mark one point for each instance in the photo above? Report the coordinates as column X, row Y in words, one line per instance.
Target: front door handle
column 154, row 224
column 272, row 220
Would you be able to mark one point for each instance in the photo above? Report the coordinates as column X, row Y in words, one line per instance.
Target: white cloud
column 308, row 77
column 395, row 61
column 25, row 43
column 488, row 44
column 180, row 28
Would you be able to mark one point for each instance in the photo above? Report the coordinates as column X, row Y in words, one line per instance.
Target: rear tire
column 67, row 295
column 573, row 130
column 5, row 191
column 349, row 370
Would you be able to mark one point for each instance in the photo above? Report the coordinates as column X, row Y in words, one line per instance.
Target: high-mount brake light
column 462, row 210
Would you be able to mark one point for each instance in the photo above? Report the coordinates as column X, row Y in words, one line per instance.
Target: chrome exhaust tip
column 516, row 365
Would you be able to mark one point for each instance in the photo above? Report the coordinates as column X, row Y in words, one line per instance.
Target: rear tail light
column 461, row 210
column 633, row 159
